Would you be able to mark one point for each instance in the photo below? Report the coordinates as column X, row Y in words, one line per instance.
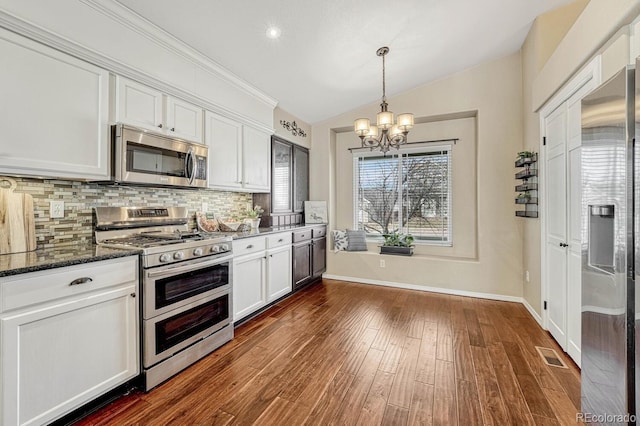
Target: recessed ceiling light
column 273, row 32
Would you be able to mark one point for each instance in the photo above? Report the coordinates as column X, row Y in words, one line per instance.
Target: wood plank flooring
column 341, row 353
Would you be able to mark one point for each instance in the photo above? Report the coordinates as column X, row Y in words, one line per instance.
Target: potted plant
column 397, row 243
column 253, row 216
column 525, row 154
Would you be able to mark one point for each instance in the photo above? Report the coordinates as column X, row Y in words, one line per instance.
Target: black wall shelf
column 528, row 189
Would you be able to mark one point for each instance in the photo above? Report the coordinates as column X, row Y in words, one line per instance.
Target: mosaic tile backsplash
column 81, row 197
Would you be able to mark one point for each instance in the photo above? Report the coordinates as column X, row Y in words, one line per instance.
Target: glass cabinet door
column 281, row 196
column 301, row 178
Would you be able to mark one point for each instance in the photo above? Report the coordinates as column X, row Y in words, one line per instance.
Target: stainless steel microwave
column 148, row 158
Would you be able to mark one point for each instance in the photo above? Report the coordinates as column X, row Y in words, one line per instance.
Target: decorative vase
column 254, row 223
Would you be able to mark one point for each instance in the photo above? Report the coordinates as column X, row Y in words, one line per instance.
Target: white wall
column 492, row 89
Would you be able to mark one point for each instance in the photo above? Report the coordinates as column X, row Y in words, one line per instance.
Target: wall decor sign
column 293, row 128
column 315, row 212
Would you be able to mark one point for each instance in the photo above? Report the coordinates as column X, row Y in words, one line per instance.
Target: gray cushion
column 357, row 240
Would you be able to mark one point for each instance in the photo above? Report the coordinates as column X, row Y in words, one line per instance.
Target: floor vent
column 550, row 357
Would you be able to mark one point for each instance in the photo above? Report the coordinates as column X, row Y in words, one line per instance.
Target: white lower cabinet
column 249, row 278
column 261, row 272
column 67, row 335
column 279, row 273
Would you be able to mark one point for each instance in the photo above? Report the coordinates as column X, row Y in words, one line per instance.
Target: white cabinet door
column 224, row 138
column 249, row 278
column 138, row 105
column 54, row 112
column 184, row 120
column 256, row 151
column 58, row 357
column 279, row 273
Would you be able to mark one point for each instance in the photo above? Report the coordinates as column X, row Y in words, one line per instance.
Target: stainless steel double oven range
column 186, row 285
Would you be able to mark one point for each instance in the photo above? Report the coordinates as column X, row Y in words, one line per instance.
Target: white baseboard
column 490, row 296
column 406, row 286
column 532, row 311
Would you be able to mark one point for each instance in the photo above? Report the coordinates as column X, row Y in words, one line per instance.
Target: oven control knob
column 197, row 252
column 178, row 255
column 165, row 257
column 224, row 247
column 215, row 249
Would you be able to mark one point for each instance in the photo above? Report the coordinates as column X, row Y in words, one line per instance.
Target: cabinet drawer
column 279, row 240
column 249, row 245
column 302, row 235
column 319, row 232
column 43, row 286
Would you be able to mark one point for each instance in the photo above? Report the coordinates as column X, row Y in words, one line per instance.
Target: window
column 408, row 192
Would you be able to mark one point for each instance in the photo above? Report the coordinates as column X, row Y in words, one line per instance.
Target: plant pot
column 254, row 223
column 399, row 251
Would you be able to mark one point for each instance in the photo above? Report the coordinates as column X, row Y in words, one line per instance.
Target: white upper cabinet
column 224, row 138
column 138, row 105
column 256, row 148
column 183, row 119
column 53, row 112
column 150, row 109
column 239, row 155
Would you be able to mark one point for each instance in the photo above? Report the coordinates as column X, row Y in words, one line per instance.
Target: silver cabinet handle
column 133, row 295
column 79, row 281
column 160, row 125
column 280, row 240
column 173, row 129
column 250, row 246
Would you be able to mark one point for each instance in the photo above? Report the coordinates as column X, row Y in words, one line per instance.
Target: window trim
column 398, row 154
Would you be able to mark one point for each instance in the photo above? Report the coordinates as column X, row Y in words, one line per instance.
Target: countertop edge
column 54, row 264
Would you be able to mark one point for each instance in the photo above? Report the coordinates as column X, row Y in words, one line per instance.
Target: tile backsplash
column 81, row 197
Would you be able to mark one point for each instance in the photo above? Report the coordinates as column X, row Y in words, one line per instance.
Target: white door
column 249, row 275
column 556, row 224
column 279, row 273
column 563, row 213
column 184, row 120
column 138, row 105
column 224, row 138
column 256, row 152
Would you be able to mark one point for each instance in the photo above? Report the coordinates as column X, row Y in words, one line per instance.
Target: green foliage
column 397, row 239
column 525, row 154
column 254, row 213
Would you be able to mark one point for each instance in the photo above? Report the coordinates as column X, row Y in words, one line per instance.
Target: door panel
column 556, row 226
column 574, row 271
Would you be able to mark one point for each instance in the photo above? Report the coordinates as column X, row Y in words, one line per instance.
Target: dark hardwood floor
column 344, row 353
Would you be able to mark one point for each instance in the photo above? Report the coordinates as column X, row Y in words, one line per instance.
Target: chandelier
column 387, row 133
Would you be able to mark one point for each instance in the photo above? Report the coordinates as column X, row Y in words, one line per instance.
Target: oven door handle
column 172, row 270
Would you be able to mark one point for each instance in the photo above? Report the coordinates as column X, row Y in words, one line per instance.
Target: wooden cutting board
column 17, row 222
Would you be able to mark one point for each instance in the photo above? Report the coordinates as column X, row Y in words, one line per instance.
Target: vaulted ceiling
column 324, row 62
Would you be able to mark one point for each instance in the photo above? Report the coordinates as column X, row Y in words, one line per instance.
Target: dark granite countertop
column 58, row 257
column 270, row 230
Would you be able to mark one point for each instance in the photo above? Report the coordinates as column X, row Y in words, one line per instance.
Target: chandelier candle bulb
column 405, row 121
column 385, row 119
column 362, row 126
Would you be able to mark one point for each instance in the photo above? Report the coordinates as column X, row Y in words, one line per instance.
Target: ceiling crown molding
column 144, row 27
column 42, row 35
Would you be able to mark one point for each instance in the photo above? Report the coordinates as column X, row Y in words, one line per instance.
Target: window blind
column 408, row 192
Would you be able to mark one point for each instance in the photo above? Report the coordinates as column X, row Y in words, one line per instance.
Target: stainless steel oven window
column 178, row 328
column 180, row 287
column 181, row 327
